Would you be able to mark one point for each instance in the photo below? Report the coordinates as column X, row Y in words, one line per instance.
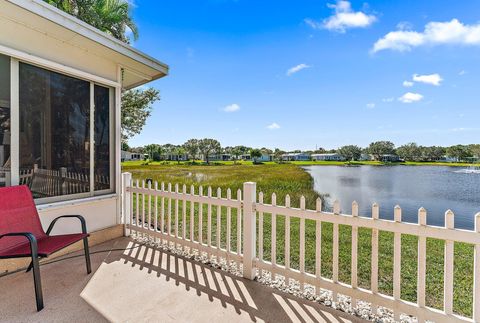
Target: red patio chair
column 22, row 235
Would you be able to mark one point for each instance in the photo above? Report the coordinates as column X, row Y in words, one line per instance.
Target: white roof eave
column 67, row 21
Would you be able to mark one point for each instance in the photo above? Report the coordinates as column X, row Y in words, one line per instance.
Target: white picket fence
column 153, row 209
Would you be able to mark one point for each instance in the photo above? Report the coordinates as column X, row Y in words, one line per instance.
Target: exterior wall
column 328, row 157
column 99, row 212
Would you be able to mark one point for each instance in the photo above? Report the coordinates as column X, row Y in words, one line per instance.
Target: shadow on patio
column 135, row 283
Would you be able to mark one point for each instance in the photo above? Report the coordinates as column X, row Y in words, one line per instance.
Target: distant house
column 129, row 156
column 388, row 158
column 448, row 159
column 365, row 157
column 218, row 157
column 328, row 157
column 296, row 157
column 265, row 157
column 175, row 157
column 246, row 157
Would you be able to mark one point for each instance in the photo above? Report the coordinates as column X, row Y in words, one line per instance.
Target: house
column 130, row 156
column 60, row 95
column 366, row 157
column 265, row 157
column 389, row 158
column 296, row 157
column 327, row 157
column 217, row 157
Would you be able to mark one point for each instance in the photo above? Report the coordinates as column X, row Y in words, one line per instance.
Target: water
column 435, row 188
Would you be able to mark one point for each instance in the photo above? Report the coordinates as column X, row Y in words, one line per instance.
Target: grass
column 290, row 179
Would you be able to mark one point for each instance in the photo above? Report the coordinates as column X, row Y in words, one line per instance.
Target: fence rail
column 227, row 228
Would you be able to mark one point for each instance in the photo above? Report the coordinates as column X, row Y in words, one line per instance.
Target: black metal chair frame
column 34, row 264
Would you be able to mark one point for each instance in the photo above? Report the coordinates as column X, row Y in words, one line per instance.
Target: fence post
column 249, row 229
column 126, row 207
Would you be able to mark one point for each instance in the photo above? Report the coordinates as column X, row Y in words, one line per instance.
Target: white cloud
column 231, row 108
column 433, row 79
column 407, row 83
column 435, row 33
column 296, row 69
column 343, row 18
column 391, row 99
column 410, row 97
column 370, row 105
column 273, row 126
column 462, row 72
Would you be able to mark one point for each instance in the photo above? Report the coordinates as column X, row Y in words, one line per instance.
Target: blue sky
column 302, row 74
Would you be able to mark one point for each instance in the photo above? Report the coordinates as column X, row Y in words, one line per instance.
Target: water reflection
column 433, row 187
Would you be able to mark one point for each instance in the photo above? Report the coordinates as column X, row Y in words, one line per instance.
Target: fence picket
column 260, row 228
column 273, row 252
column 229, row 222
column 397, row 256
column 336, row 211
column 422, row 262
column 374, row 273
column 169, row 211
column 209, row 218
column 354, row 264
column 302, row 243
column 192, row 215
column 287, row 234
column 200, row 217
column 176, row 211
column 155, row 220
column 219, row 220
column 476, row 275
column 448, row 271
column 184, row 212
column 162, row 210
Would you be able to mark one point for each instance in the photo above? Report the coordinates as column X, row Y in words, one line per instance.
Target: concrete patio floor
column 141, row 284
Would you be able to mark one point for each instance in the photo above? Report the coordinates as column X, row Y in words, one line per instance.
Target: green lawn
column 290, row 179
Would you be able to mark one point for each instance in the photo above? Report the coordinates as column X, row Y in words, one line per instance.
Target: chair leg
column 87, row 255
column 38, row 283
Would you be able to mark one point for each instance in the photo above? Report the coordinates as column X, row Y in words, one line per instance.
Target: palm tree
column 110, row 16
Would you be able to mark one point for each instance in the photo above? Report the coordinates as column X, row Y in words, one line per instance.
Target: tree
column 191, row 148
column 179, row 151
column 125, row 146
column 136, row 108
column 110, row 16
column 432, row 153
column 255, row 153
column 277, row 154
column 207, row 146
column 460, row 152
column 475, row 150
column 236, row 151
column 410, row 152
column 379, row 148
column 350, row 152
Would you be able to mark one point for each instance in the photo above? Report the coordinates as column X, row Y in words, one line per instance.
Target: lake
column 436, row 188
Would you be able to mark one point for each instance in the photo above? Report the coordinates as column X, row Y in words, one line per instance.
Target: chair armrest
column 81, row 218
column 30, row 237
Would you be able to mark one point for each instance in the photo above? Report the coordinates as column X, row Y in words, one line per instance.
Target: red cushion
column 18, row 214
column 46, row 245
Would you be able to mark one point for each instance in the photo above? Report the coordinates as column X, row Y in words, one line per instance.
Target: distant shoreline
column 303, row 163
